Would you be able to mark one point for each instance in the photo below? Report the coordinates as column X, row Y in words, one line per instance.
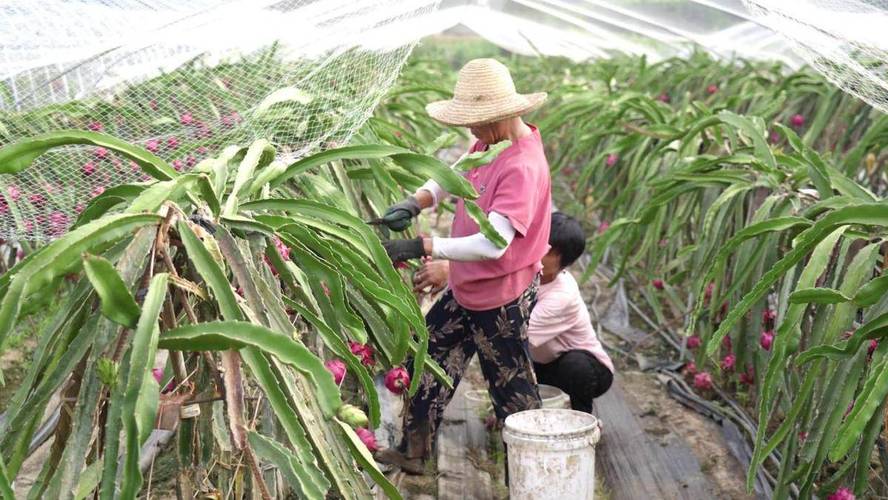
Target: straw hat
column 484, row 93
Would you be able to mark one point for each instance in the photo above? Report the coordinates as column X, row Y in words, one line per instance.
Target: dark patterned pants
column 499, row 336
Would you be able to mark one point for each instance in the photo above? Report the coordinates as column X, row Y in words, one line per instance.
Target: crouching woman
column 565, row 350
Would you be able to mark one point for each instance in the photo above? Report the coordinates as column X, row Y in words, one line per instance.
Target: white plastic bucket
column 551, row 454
column 478, row 400
column 554, row 397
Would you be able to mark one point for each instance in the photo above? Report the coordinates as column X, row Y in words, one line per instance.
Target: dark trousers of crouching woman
column 579, row 374
column 499, row 336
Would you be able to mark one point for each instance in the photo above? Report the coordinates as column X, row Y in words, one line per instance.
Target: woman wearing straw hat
column 492, row 289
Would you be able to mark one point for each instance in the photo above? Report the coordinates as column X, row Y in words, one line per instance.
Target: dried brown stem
column 234, row 403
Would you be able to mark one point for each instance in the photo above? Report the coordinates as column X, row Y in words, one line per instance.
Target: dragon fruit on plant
column 842, row 494
column 397, row 380
column 728, row 361
column 367, row 437
column 703, row 380
column 766, row 339
column 337, row 368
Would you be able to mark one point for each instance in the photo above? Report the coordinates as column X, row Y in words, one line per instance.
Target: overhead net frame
column 845, row 40
column 183, row 79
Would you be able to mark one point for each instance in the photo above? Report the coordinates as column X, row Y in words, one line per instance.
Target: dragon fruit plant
column 237, row 273
column 734, row 204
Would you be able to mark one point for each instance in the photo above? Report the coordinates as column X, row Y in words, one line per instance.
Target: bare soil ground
column 663, row 416
column 667, row 419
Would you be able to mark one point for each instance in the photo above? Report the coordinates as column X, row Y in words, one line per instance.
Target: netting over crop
column 183, row 79
column 846, row 40
column 186, row 78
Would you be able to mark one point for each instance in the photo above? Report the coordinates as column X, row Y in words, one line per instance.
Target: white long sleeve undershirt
column 435, row 190
column 475, row 247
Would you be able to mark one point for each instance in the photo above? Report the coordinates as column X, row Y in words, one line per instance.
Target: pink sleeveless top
column 517, row 186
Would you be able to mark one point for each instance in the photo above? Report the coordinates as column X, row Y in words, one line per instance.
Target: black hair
column 567, row 238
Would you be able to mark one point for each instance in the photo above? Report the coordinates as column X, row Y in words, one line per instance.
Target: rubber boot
column 412, row 459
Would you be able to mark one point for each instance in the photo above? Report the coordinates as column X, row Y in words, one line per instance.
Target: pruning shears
column 375, row 222
column 398, row 220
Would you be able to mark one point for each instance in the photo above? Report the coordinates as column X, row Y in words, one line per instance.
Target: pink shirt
column 560, row 322
column 515, row 185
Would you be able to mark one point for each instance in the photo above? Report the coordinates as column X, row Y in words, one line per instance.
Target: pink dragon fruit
column 368, row 438
column 747, row 377
column 101, row 153
column 14, row 193
column 190, row 161
column 158, row 374
column 178, row 165
column 186, row 119
column 612, row 159
column 282, row 249
column 362, row 351
column 690, row 368
column 873, row 345
column 231, row 119
column 842, row 494
column 37, row 200
column 769, row 315
column 664, row 97
column 797, row 120
column 173, row 143
column 712, row 89
column 96, row 126
column 153, row 104
column 337, row 368
column 694, row 342
column 58, row 219
column 703, row 381
column 766, row 339
column 152, row 145
column 202, row 150
column 774, row 137
column 604, row 226
column 203, row 131
column 726, row 342
column 88, row 169
column 397, row 380
column 97, row 191
column 658, row 284
column 727, row 363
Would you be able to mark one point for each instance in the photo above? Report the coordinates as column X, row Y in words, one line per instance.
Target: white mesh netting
column 183, row 79
column 845, row 40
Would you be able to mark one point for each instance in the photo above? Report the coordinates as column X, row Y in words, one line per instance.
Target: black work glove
column 401, row 250
column 399, row 216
